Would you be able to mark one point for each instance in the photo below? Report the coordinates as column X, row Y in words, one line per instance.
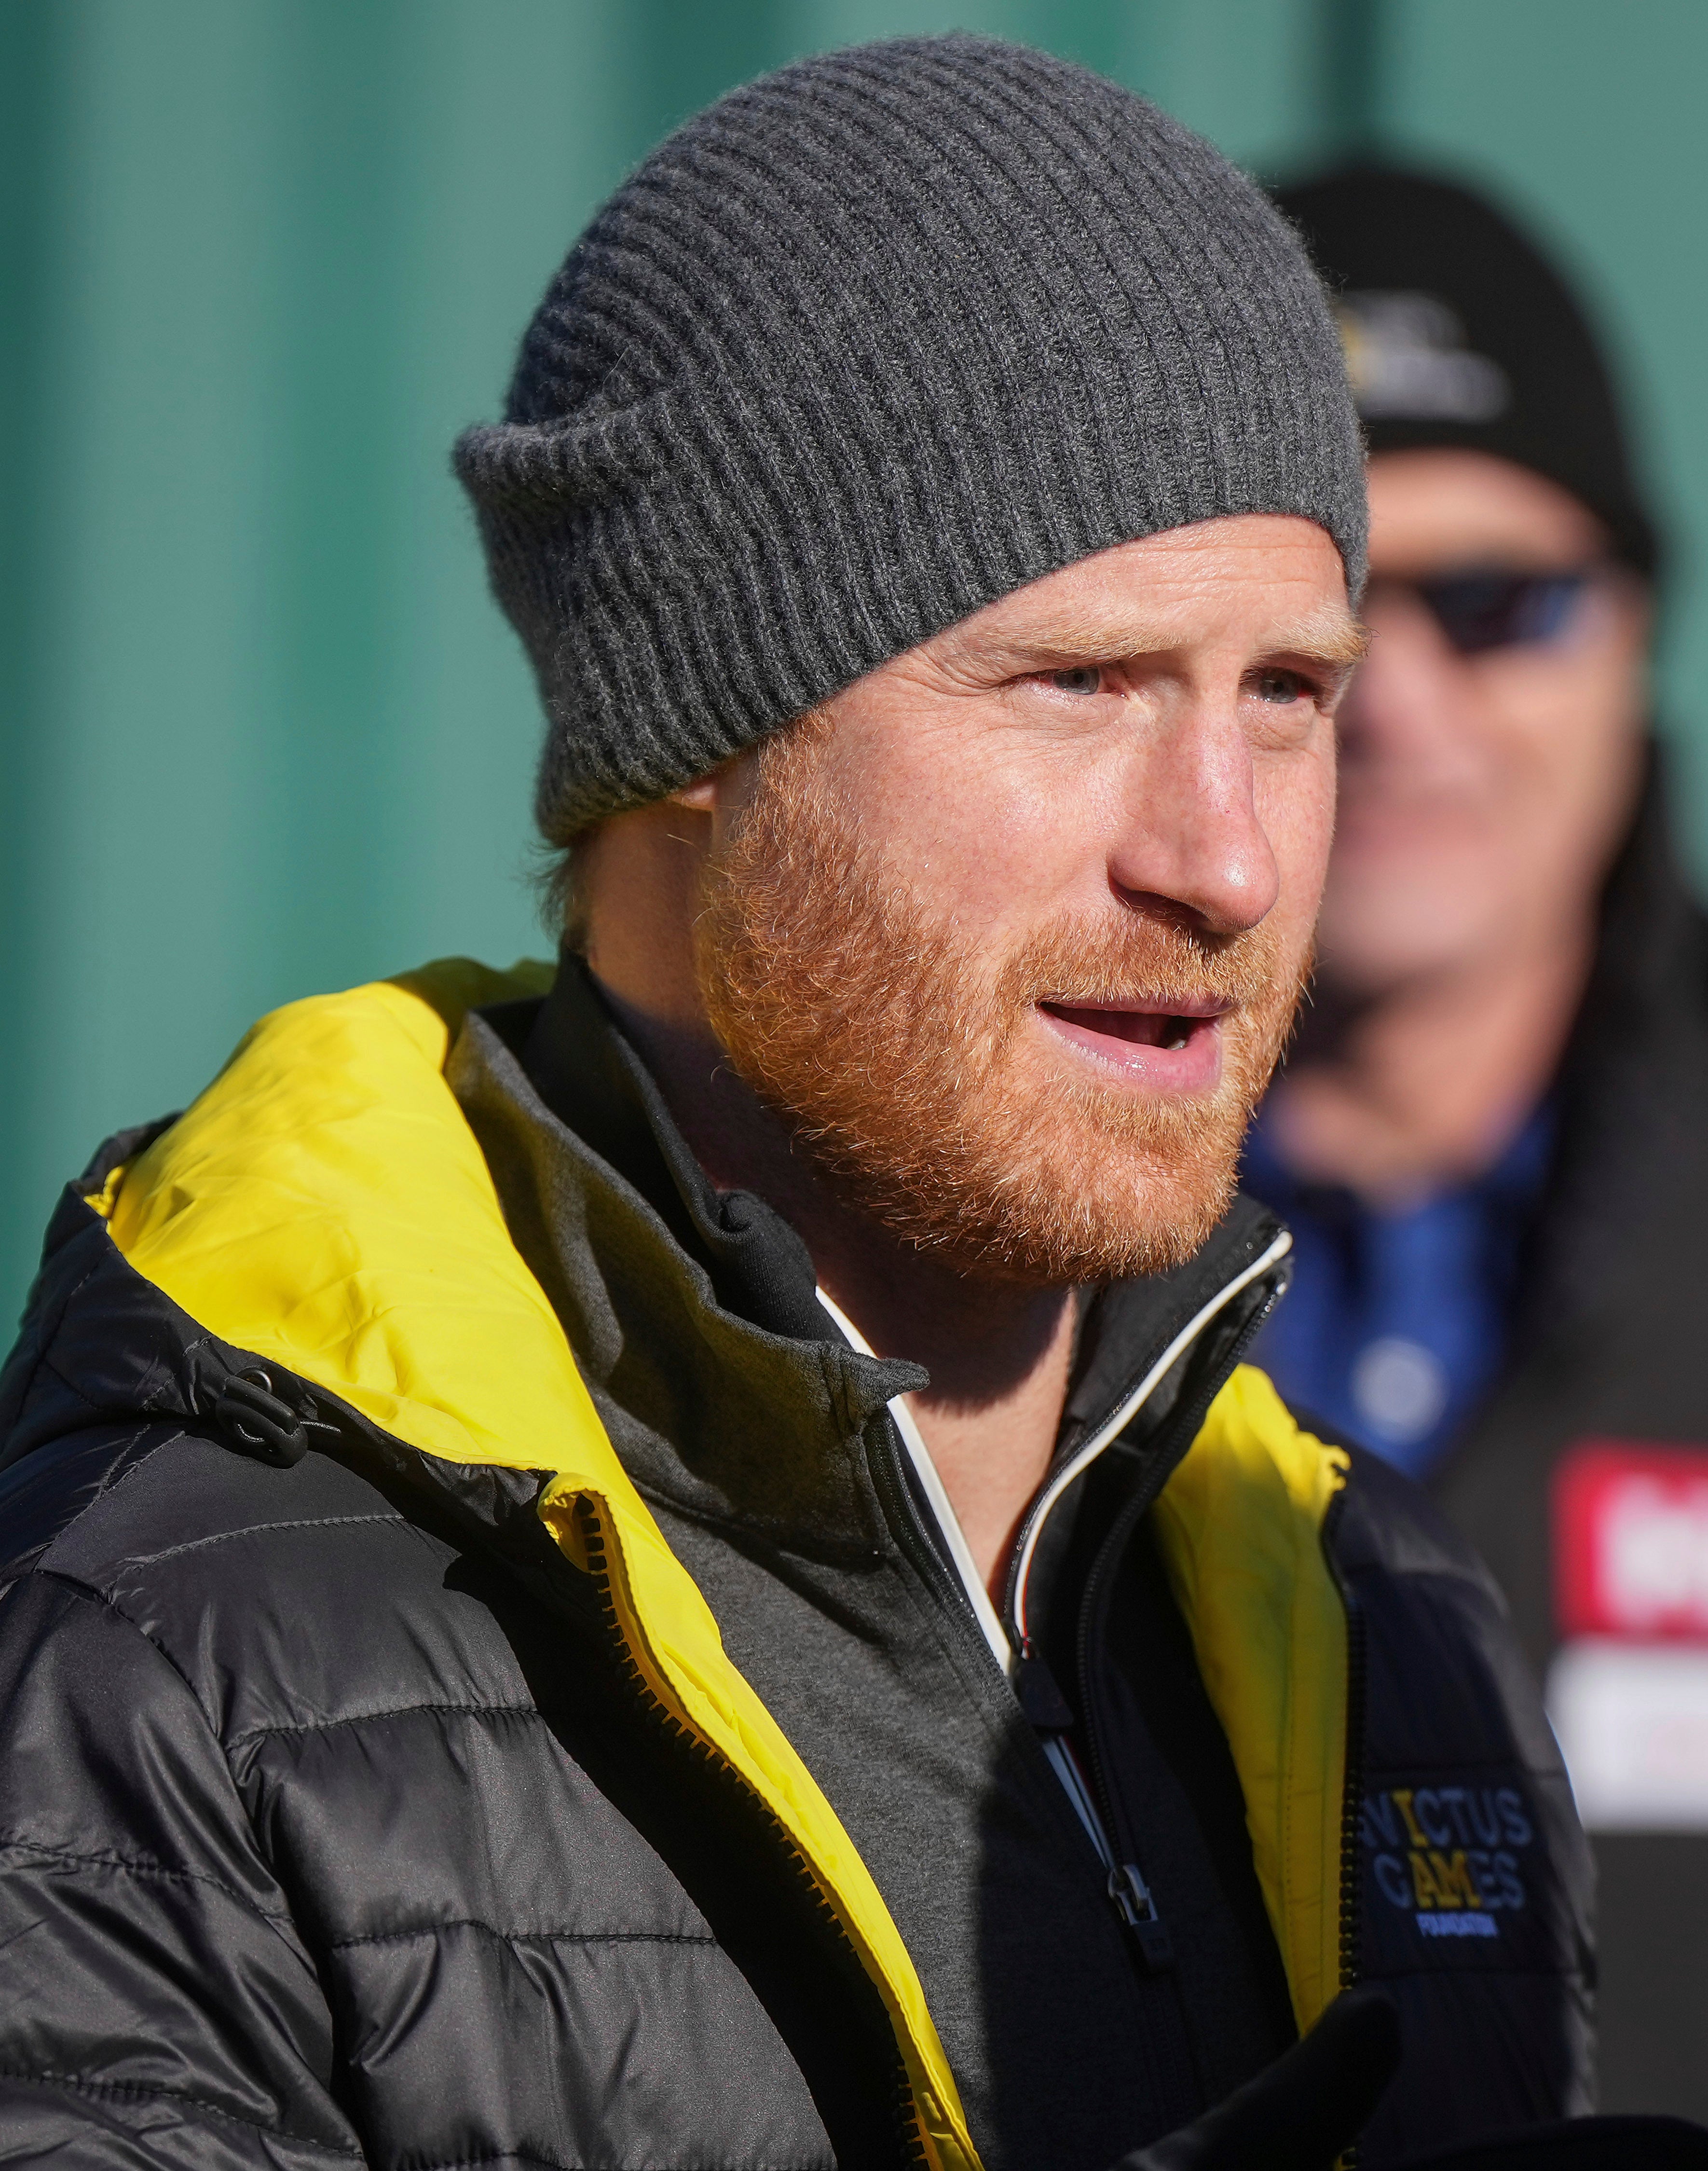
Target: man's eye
column 1084, row 679
column 1281, row 686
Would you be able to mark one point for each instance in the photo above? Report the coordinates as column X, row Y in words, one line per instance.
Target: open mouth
column 1179, row 1047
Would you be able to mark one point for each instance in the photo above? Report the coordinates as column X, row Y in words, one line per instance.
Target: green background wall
column 260, row 731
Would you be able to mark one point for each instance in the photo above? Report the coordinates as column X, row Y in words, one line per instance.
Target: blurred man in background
column 1492, row 1142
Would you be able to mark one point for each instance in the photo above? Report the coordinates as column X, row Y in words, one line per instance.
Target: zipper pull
column 1043, row 1703
column 1137, row 1910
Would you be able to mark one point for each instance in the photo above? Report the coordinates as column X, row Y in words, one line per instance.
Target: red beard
column 907, row 1061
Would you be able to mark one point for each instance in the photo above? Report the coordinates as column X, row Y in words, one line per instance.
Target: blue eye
column 1281, row 686
column 1084, row 679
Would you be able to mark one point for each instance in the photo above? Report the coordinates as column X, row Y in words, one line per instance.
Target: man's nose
column 1191, row 838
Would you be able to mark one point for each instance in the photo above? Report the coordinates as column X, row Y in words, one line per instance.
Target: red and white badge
column 1631, row 1541
column 1628, row 1688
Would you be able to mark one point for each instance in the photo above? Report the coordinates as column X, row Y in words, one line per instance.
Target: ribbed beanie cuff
column 863, row 347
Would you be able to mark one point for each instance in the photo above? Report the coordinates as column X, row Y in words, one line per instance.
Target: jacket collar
column 589, row 1077
column 576, row 1073
column 725, row 1389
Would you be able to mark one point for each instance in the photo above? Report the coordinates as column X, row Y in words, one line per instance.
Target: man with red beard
column 674, row 1564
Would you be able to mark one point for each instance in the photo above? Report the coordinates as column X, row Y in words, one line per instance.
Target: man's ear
column 722, row 792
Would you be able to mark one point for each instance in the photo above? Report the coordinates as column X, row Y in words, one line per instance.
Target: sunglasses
column 1479, row 611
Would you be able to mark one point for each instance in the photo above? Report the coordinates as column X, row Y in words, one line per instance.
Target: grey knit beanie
column 859, row 349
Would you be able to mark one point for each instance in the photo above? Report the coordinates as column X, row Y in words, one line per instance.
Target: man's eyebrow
column 1330, row 636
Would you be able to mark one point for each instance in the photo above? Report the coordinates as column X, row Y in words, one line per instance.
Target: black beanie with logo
column 1458, row 331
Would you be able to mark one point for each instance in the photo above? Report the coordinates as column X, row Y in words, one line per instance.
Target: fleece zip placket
column 1071, row 1751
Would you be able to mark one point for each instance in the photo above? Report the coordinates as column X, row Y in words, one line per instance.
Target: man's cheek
column 1008, row 850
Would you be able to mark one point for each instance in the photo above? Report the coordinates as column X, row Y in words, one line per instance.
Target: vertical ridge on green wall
column 1349, row 67
column 30, row 74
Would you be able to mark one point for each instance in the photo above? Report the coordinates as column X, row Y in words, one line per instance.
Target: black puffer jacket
column 374, row 1783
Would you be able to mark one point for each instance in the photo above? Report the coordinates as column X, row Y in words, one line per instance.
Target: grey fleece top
column 763, row 1446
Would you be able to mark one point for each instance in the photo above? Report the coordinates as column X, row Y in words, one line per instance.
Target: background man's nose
column 1407, row 687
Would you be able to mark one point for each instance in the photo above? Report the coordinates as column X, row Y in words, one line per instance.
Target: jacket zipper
column 1352, row 1894
column 1184, row 1428
column 1041, row 1699
column 1352, row 1792
column 1128, row 1893
column 904, row 2110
